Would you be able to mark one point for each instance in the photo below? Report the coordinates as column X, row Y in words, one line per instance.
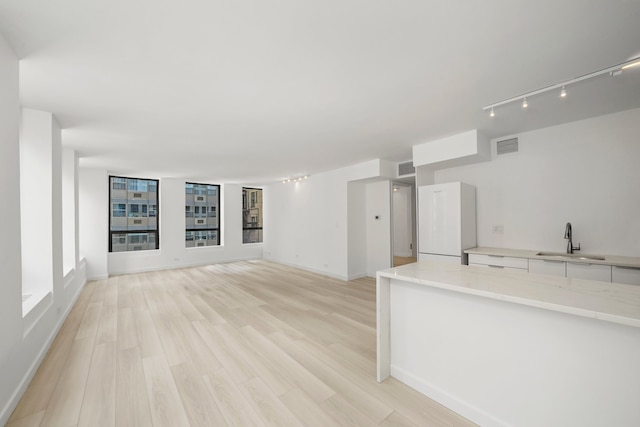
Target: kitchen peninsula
column 510, row 348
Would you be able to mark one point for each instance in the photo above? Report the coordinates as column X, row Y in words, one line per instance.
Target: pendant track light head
column 525, row 104
column 492, row 113
column 563, row 92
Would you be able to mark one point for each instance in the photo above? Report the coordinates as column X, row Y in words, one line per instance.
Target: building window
column 133, row 223
column 251, row 215
column 202, row 228
column 119, row 209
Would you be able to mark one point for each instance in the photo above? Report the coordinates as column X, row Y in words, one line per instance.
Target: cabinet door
column 589, row 271
column 629, row 275
column 439, row 219
column 548, row 267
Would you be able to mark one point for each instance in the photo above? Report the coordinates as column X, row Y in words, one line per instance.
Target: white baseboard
column 311, row 270
column 452, row 402
column 177, row 266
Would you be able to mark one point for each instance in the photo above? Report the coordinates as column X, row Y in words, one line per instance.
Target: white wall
column 25, row 340
column 10, row 254
column 37, row 182
column 306, row 223
column 93, row 194
column 69, row 208
column 585, row 172
column 357, row 229
column 94, row 226
column 378, row 220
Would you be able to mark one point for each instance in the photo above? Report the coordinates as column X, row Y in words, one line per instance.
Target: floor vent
column 406, row 168
column 507, row 146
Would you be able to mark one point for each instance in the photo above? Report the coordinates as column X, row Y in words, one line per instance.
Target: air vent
column 200, row 244
column 507, row 146
column 137, row 221
column 406, row 168
column 137, row 248
column 200, row 199
column 200, row 221
column 137, row 195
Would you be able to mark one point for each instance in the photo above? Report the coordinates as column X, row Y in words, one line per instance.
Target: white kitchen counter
column 511, row 348
column 612, row 302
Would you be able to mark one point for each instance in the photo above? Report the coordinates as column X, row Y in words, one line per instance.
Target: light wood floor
column 241, row 344
column 401, row 260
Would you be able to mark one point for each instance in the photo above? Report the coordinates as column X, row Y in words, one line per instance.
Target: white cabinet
column 629, row 275
column 589, row 271
column 548, row 267
column 446, row 218
column 498, row 261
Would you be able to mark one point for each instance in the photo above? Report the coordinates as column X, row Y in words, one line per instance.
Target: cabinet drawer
column 548, row 267
column 497, row 267
column 629, row 275
column 499, row 261
column 589, row 271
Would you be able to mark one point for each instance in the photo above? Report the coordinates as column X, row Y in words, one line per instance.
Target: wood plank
column 132, row 401
column 306, row 409
column 32, row 420
column 271, row 409
column 200, row 407
column 164, row 398
column 236, row 409
column 99, row 403
column 66, row 401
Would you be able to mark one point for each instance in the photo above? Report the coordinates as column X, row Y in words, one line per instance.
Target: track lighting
column 630, row 65
column 612, row 71
column 297, row 179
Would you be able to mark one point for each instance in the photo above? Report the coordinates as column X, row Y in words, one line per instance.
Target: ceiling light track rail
column 613, row 70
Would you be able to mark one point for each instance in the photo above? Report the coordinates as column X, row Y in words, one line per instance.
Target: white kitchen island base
column 512, row 349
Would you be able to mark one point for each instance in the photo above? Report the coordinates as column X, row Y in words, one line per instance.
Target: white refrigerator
column 446, row 222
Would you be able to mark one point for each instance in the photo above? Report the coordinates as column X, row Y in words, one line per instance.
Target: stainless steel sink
column 572, row 256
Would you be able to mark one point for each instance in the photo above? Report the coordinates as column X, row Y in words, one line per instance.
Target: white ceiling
column 256, row 90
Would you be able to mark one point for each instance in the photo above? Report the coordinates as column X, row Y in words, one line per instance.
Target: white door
column 402, row 241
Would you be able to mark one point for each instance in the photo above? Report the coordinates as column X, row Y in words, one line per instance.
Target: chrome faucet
column 568, row 235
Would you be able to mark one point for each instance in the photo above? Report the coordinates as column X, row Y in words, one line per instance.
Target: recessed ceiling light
column 563, row 93
column 525, row 104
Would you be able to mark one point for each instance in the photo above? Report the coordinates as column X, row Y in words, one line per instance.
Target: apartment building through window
column 133, row 218
column 202, row 215
column 251, row 215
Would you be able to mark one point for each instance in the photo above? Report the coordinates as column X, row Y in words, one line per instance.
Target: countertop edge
column 583, row 312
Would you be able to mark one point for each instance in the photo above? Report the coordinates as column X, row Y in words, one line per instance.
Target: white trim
column 452, row 402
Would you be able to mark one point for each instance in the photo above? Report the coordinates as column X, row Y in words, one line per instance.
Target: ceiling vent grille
column 507, row 146
column 406, row 168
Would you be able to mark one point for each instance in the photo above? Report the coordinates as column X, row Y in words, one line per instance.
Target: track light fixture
column 298, row 179
column 613, row 71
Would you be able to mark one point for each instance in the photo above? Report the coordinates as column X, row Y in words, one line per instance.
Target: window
column 119, row 183
column 202, row 224
column 133, row 223
column 251, row 215
column 119, row 209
